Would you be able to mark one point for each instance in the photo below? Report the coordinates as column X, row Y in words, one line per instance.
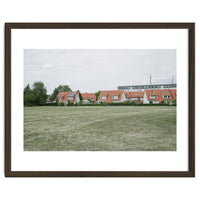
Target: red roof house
column 157, row 96
column 109, row 96
column 89, row 96
column 134, row 96
column 68, row 96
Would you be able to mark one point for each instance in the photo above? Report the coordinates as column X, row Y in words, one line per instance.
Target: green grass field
column 110, row 128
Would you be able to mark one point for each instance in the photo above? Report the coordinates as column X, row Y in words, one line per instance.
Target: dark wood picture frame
column 191, row 99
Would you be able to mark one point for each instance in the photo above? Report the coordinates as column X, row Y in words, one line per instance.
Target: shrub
column 153, row 104
column 174, row 102
column 61, row 104
column 70, row 103
column 121, row 104
column 94, row 104
column 50, row 104
column 57, row 101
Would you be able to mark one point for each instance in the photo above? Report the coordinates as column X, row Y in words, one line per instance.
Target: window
column 136, row 94
column 153, row 96
column 153, row 91
column 166, row 96
column 114, row 97
column 103, row 97
column 90, row 99
column 70, row 98
column 126, row 95
column 60, row 98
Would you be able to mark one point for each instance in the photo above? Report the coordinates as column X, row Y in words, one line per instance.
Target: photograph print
column 100, row 100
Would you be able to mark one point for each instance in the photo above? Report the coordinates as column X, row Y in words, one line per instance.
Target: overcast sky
column 90, row 70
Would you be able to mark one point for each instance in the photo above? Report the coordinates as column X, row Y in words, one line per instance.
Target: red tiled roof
column 173, row 92
column 65, row 95
column 134, row 94
column 109, row 93
column 160, row 93
column 87, row 96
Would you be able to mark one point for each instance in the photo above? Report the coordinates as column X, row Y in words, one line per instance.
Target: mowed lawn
column 110, row 128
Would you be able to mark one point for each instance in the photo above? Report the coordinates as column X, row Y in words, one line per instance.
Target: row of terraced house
column 153, row 95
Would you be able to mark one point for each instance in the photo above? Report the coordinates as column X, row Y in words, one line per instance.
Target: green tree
column 97, row 95
column 40, row 93
column 64, row 88
column 80, row 96
column 48, row 96
column 54, row 94
column 28, row 96
column 57, row 101
column 27, row 89
column 60, row 88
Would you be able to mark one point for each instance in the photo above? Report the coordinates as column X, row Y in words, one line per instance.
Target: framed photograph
column 99, row 99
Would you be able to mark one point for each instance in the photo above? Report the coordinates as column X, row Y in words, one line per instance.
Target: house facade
column 158, row 96
column 66, row 97
column 148, row 96
column 88, row 97
column 111, row 96
column 136, row 97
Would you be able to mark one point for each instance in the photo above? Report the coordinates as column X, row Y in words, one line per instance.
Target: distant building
column 108, row 96
column 141, row 88
column 137, row 97
column 68, row 96
column 157, row 96
column 88, row 97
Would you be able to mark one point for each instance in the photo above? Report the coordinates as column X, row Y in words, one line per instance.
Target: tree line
column 37, row 95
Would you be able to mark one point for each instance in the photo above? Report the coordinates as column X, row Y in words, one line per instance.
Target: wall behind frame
column 104, row 11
